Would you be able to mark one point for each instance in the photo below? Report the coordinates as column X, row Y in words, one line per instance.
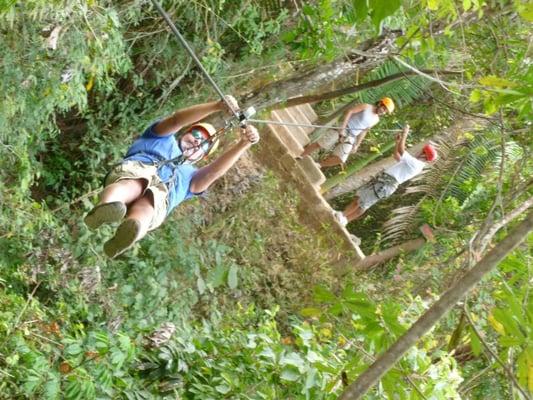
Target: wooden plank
column 297, row 132
column 312, row 171
column 294, row 148
column 298, row 113
column 309, row 112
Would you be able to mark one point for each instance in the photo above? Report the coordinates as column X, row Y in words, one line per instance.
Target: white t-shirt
column 361, row 121
column 408, row 167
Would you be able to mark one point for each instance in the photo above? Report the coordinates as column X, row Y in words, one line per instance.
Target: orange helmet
column 208, row 132
column 388, row 103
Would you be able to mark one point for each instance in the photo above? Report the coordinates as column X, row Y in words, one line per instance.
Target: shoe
column 125, row 237
column 105, row 214
column 355, row 239
column 339, row 216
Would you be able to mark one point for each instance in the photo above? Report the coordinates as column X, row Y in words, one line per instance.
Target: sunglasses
column 204, row 142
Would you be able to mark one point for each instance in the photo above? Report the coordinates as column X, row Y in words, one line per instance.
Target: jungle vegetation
column 234, row 298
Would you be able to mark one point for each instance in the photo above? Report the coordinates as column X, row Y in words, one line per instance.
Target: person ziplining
column 386, row 183
column 356, row 124
column 158, row 173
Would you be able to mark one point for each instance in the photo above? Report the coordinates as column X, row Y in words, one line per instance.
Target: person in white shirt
column 388, row 181
column 357, row 122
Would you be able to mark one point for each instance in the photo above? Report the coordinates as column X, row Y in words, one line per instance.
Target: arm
column 401, row 138
column 355, row 110
column 190, row 115
column 205, row 176
column 358, row 141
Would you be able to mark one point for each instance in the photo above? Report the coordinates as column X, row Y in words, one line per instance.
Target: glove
column 232, row 103
column 251, row 134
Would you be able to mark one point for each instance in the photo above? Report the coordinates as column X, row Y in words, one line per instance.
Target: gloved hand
column 250, row 134
column 232, row 102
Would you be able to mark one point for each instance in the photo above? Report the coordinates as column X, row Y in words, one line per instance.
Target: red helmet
column 430, row 152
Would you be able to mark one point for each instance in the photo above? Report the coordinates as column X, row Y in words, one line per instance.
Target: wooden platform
column 281, row 145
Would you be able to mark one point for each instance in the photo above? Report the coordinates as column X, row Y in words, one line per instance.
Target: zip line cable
column 339, row 128
column 184, row 43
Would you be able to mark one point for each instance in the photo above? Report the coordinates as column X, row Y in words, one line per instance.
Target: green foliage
column 513, row 326
column 322, row 26
column 227, row 358
column 70, row 107
column 369, row 327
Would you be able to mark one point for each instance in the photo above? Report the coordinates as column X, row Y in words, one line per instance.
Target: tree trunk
column 354, row 167
column 385, row 255
column 387, row 360
column 296, row 101
column 363, row 176
column 369, row 56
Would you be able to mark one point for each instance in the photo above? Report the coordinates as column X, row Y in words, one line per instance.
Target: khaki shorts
column 344, row 148
column 380, row 187
column 139, row 170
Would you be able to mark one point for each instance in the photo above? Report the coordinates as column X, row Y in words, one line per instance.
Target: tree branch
column 294, row 101
column 387, row 360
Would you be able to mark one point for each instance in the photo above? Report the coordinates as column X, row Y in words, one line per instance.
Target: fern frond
column 402, row 220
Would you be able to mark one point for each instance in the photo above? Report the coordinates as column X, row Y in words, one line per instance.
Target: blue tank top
column 151, row 148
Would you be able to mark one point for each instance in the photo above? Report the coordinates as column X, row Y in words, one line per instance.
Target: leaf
column 526, row 11
column 310, row 312
column 494, row 81
column 433, row 4
column 51, row 389
column 73, row 349
column 381, row 9
column 311, row 380
column 476, row 95
column 474, row 342
column 90, row 83
column 217, row 275
column 73, row 390
column 361, row 9
column 323, row 295
column 232, row 277
column 293, row 359
column 290, row 374
column 223, row 389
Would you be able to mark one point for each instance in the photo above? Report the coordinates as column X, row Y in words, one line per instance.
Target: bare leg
column 125, row 191
column 350, row 208
column 357, row 213
column 142, row 210
column 113, row 201
column 331, row 161
column 310, row 148
column 133, row 228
